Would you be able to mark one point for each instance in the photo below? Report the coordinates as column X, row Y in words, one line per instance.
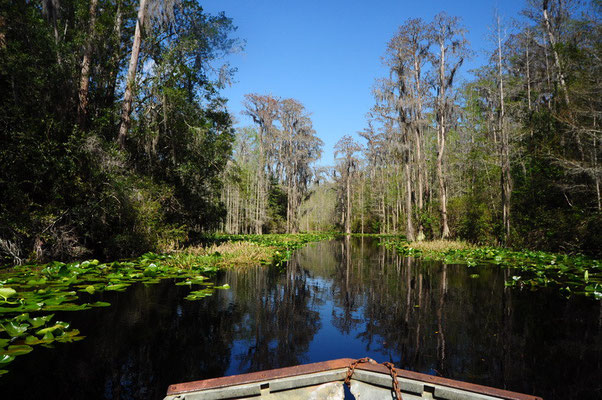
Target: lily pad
column 90, row 289
column 7, row 292
column 67, row 307
column 39, row 321
column 226, row 286
column 32, row 340
column 100, row 304
column 199, row 294
column 14, row 329
column 5, row 359
column 16, row 350
column 118, row 287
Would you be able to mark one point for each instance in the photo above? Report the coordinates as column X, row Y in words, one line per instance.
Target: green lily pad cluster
column 29, row 293
column 22, row 332
column 199, row 294
column 571, row 274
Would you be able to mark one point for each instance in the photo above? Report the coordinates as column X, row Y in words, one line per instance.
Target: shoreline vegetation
column 30, row 294
column 571, row 274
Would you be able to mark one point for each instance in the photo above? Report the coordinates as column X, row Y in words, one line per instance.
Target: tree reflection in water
column 345, row 298
column 278, row 321
column 436, row 318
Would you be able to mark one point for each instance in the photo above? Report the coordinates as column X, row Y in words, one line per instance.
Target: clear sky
column 327, row 53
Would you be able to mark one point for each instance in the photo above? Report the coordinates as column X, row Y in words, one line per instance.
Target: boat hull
column 324, row 380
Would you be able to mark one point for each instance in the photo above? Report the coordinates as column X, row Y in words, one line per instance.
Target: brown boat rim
column 340, row 363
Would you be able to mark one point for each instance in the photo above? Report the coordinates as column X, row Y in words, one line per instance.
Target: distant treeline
column 112, row 130
column 511, row 156
column 271, row 172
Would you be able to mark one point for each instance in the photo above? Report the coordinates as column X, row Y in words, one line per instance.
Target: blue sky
column 327, row 53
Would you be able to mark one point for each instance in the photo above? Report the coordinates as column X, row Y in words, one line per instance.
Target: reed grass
column 441, row 246
column 230, row 253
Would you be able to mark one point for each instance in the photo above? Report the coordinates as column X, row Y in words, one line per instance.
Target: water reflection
column 445, row 320
column 278, row 320
column 347, row 298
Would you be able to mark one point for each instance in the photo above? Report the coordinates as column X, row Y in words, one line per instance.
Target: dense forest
column 116, row 140
column 509, row 156
column 113, row 131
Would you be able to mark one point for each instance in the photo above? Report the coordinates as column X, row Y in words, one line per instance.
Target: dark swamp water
column 346, row 298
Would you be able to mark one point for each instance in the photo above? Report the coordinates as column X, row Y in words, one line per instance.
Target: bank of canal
column 340, row 298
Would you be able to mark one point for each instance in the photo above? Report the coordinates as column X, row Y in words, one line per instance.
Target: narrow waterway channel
column 344, row 298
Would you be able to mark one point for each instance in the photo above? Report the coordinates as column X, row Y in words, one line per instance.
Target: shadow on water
column 346, row 298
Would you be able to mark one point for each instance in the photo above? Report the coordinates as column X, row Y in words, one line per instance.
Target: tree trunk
column 84, row 82
column 409, row 224
column 552, row 40
column 441, row 144
column 126, row 108
column 561, row 78
column 441, row 179
column 418, row 144
column 506, row 180
column 2, row 33
column 362, row 202
column 348, row 218
column 528, row 72
column 597, row 178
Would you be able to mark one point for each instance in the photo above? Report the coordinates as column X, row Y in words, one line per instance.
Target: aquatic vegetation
column 395, row 236
column 441, row 245
column 30, row 293
column 226, row 254
column 281, row 245
column 572, row 274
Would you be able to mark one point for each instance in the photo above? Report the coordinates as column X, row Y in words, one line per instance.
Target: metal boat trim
column 253, row 383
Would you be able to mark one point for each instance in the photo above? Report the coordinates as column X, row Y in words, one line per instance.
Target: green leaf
column 17, row 350
column 22, row 308
column 64, row 271
column 5, row 359
column 118, row 287
column 151, row 270
column 31, row 340
column 39, row 321
column 100, row 304
column 67, row 307
column 13, row 329
column 7, row 292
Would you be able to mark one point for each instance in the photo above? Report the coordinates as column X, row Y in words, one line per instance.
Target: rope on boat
column 389, row 365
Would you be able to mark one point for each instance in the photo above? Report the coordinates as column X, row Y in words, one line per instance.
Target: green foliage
column 68, row 190
column 548, row 216
column 58, row 286
column 570, row 274
column 277, row 201
column 282, row 244
column 473, row 220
